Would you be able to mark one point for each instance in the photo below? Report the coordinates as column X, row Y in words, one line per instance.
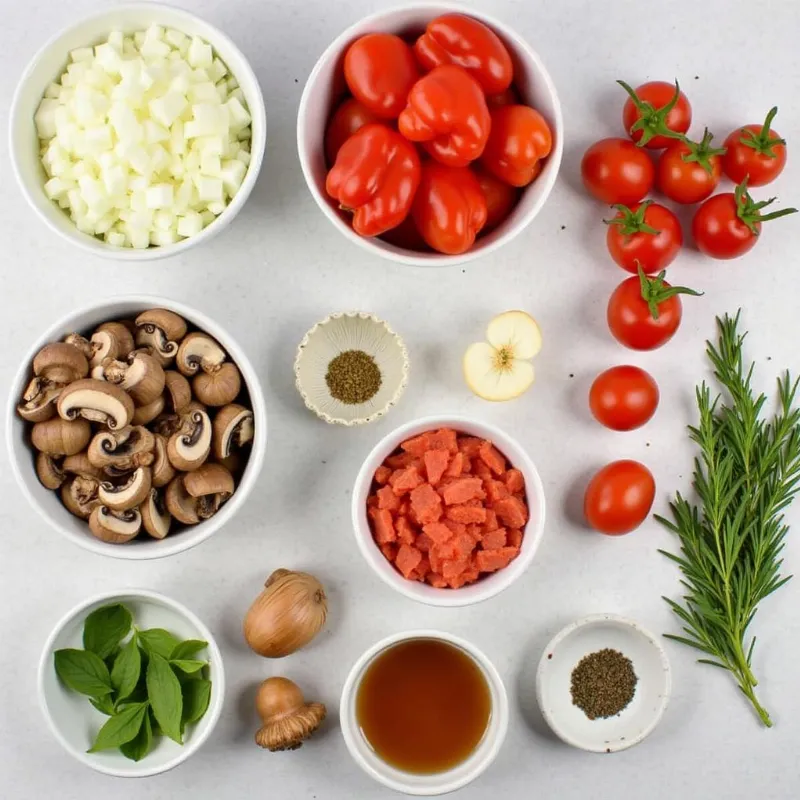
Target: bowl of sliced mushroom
column 137, row 421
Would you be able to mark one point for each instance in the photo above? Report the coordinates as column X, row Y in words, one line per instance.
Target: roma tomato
column 346, row 120
column 654, row 111
column 755, row 152
column 644, row 312
column 647, row 235
column 617, row 171
column 688, row 172
column 623, row 398
column 727, row 225
column 619, row 497
column 500, row 198
column 518, row 140
column 507, row 98
column 380, row 70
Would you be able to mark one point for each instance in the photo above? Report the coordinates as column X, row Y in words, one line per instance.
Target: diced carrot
column 466, row 466
column 475, row 531
column 407, row 559
column 512, row 512
column 404, row 480
column 444, row 439
column 493, row 540
column 422, row 569
column 437, row 532
column 515, row 482
column 436, row 560
column 382, row 475
column 388, row 499
column 457, row 581
column 491, row 523
column 389, row 550
column 493, row 458
column 453, row 567
column 493, row 560
column 495, row 490
column 481, row 470
column 465, row 544
column 405, row 533
column 467, row 514
column 461, row 490
column 456, row 527
column 445, row 551
column 456, row 466
column 436, row 462
column 417, row 445
column 470, row 446
column 436, row 580
column 423, row 542
column 514, row 538
column 403, row 460
column 383, row 525
column 426, row 504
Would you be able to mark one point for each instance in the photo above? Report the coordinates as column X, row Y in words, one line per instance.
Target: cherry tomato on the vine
column 346, row 120
column 646, row 235
column 500, row 197
column 755, row 152
column 617, row 171
column 654, row 109
column 688, row 172
column 619, row 497
column 623, row 398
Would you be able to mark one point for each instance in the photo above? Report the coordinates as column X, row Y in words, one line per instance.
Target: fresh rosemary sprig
column 731, row 538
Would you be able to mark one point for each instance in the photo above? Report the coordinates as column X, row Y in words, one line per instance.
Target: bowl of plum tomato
column 430, row 136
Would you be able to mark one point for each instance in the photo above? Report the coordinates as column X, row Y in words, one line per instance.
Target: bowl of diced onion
column 138, row 132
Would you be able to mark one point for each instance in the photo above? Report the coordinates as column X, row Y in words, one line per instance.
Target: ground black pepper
column 603, row 683
column 353, row 377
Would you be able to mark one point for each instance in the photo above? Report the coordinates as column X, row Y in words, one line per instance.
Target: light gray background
column 279, row 268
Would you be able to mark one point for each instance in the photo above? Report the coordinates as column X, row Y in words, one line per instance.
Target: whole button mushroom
column 129, row 494
column 60, row 362
column 115, row 527
column 111, row 340
column 60, row 437
column 160, row 330
column 96, row 401
column 216, row 382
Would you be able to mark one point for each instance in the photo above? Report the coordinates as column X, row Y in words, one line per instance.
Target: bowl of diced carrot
column 449, row 511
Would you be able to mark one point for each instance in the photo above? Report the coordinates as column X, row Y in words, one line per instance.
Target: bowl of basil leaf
column 131, row 683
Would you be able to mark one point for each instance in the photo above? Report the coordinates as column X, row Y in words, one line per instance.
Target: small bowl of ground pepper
column 351, row 368
column 603, row 683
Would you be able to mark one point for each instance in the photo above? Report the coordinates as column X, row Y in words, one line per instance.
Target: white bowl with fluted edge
column 338, row 333
column 653, row 687
column 486, row 586
column 441, row 782
column 47, row 66
column 48, row 504
column 325, row 88
column 74, row 722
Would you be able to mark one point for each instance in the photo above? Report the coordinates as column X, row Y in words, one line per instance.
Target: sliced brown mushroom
column 218, row 386
column 49, row 471
column 189, row 447
column 211, row 485
column 177, row 391
column 129, row 494
column 39, row 400
column 79, row 464
column 163, row 471
column 120, row 452
column 199, row 350
column 60, row 362
column 111, row 340
column 79, row 495
column 82, row 343
column 160, row 330
column 180, row 503
column 155, row 517
column 96, row 401
column 60, row 437
column 141, row 376
column 233, row 429
column 144, row 415
column 115, row 527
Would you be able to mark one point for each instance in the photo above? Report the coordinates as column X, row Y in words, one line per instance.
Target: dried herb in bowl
column 353, row 377
column 603, row 683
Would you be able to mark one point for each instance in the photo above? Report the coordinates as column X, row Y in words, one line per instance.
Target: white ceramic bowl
column 488, row 585
column 48, row 504
column 441, row 782
column 325, row 87
column 48, row 64
column 72, row 719
column 633, row 723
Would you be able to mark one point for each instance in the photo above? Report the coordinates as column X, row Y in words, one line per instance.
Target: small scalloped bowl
column 337, row 334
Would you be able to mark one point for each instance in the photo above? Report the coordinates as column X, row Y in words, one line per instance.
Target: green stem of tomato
column 654, row 292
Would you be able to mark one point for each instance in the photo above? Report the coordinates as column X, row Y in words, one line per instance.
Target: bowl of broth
column 424, row 712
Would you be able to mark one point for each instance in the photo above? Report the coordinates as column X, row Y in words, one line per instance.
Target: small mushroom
column 115, row 527
column 219, row 386
column 111, row 340
column 177, row 390
column 163, row 471
column 286, row 719
column 160, row 330
column 79, row 495
column 143, row 415
column 49, row 471
column 180, row 503
column 60, row 362
column 39, row 400
column 60, row 437
column 96, row 401
column 189, row 447
column 82, row 343
column 79, row 464
column 155, row 517
column 141, row 376
column 120, row 452
column 211, row 485
column 199, row 350
column 233, row 428
column 129, row 494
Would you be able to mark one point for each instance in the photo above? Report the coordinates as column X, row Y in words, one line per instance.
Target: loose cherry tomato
column 644, row 313
column 407, row 236
column 623, row 398
column 619, row 497
column 500, row 198
column 617, row 171
column 647, row 235
column 755, row 152
column 727, row 225
column 507, row 98
column 688, row 172
column 654, row 109
column 346, row 120
column 380, row 70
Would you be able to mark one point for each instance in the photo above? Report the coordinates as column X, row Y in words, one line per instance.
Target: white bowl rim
column 594, row 619
column 490, row 673
column 501, row 580
column 91, row 244
column 391, row 252
column 218, row 678
column 255, row 462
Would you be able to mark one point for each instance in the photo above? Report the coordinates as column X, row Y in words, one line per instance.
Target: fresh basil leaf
column 157, row 640
column 196, row 697
column 138, row 747
column 164, row 692
column 105, row 628
column 83, row 671
column 188, row 665
column 156, row 728
column 121, row 728
column 126, row 670
column 187, row 649
column 103, row 704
